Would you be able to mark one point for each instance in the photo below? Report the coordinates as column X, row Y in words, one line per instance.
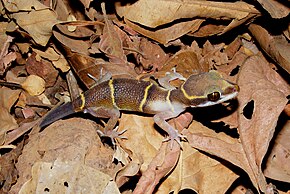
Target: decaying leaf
column 8, row 172
column 277, row 47
column 73, row 142
column 277, row 166
column 150, row 55
column 267, row 91
column 110, row 42
column 34, row 85
column 62, row 176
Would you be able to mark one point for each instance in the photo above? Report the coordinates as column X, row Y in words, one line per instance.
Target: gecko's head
column 208, row 89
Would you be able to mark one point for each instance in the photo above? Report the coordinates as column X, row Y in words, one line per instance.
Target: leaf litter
column 41, row 42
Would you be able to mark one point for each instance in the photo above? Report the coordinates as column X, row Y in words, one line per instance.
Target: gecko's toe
column 112, row 134
column 174, row 136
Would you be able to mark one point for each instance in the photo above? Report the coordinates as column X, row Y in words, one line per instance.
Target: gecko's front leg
column 160, row 120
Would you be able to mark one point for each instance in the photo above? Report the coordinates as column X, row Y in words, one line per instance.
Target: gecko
column 108, row 98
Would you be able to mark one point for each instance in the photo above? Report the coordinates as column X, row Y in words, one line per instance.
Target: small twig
column 13, row 86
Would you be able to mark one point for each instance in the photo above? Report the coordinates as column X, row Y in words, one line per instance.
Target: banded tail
column 58, row 113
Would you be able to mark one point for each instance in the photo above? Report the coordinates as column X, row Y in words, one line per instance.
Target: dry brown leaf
column 204, row 174
column 267, row 90
column 49, row 53
column 73, row 140
column 165, row 35
column 129, row 170
column 277, row 47
column 217, row 144
column 5, row 56
column 7, row 98
column 150, row 55
column 162, row 164
column 191, row 166
column 61, row 64
column 8, row 172
column 18, row 5
column 34, row 85
column 276, row 9
column 154, row 13
column 6, row 60
column 67, row 177
column 34, row 17
column 140, row 131
column 38, row 23
column 73, row 44
column 110, row 42
column 278, row 163
column 208, row 30
column 35, row 65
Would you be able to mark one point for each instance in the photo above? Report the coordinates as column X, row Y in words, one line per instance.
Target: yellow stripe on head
column 188, row 96
column 145, row 97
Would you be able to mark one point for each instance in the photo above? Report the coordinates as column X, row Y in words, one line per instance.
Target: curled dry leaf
column 73, row 44
column 154, row 13
column 185, row 63
column 165, row 35
column 34, row 17
column 110, row 42
column 164, row 161
column 34, row 85
column 276, row 9
column 8, row 98
column 267, row 91
column 277, row 47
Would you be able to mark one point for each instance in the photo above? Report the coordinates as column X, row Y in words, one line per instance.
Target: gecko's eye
column 215, row 96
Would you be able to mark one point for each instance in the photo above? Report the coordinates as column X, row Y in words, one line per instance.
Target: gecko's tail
column 56, row 114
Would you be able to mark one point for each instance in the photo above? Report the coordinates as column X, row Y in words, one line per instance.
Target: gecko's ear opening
column 214, row 96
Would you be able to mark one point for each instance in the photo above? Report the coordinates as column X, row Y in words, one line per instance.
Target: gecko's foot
column 174, row 136
column 112, row 134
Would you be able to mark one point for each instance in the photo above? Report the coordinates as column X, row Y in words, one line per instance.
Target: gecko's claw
column 112, row 134
column 174, row 136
